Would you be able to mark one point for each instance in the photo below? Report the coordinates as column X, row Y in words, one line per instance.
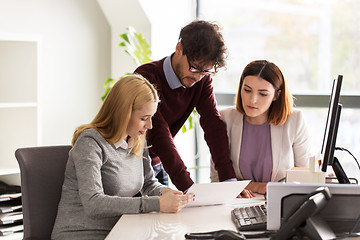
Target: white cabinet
column 19, row 108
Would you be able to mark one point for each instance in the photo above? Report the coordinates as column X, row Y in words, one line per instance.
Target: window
column 311, row 41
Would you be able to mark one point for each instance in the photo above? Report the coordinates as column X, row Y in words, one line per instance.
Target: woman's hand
column 246, row 194
column 173, row 201
column 165, row 190
column 257, row 187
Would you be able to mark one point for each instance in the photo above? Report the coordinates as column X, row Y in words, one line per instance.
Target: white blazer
column 290, row 143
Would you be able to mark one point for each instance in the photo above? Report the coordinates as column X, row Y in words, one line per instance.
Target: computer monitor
column 330, row 134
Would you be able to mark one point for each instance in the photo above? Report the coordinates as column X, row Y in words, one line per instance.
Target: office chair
column 42, row 175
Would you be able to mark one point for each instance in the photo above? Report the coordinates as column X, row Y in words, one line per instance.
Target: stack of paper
column 11, row 217
column 7, row 218
column 4, row 231
column 11, row 205
column 9, row 196
column 7, row 208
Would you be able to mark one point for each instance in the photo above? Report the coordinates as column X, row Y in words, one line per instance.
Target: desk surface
column 175, row 225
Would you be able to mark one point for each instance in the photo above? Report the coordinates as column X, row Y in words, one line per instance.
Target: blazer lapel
column 236, row 135
column 276, row 138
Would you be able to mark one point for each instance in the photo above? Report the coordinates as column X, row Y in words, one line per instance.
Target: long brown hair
column 281, row 108
column 128, row 94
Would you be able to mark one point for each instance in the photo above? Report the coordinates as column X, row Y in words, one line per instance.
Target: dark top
column 175, row 107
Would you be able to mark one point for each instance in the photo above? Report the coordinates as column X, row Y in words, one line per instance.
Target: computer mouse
column 228, row 235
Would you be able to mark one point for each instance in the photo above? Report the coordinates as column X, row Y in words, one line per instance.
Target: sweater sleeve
column 215, row 132
column 151, row 186
column 164, row 147
column 87, row 155
column 160, row 137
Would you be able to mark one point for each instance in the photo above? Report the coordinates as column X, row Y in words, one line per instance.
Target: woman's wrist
column 257, row 187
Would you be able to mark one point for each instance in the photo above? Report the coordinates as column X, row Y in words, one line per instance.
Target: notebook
column 216, row 193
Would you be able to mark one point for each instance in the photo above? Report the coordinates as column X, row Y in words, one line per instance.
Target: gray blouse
column 100, row 182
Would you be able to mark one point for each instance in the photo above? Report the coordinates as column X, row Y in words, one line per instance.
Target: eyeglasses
column 193, row 69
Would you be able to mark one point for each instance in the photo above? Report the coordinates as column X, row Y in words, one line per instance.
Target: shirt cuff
column 230, row 180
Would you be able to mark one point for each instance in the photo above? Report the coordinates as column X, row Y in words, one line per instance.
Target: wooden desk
column 175, row 225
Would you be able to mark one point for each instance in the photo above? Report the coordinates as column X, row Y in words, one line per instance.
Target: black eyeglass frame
column 193, row 69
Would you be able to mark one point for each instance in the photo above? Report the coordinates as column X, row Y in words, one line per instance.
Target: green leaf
column 105, row 94
column 194, row 168
column 191, row 122
column 126, row 74
column 108, row 81
column 125, row 37
column 183, row 129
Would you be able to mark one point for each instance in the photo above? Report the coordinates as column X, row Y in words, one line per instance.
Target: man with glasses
column 184, row 82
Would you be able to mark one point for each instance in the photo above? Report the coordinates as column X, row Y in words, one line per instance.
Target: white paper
column 7, row 218
column 216, row 193
column 7, row 230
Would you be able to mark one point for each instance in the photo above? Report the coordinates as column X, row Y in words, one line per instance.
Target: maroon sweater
column 174, row 109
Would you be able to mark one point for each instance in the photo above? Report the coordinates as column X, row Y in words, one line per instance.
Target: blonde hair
column 128, row 94
column 281, row 108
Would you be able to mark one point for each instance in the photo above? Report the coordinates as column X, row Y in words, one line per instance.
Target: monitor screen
column 330, row 134
column 330, row 123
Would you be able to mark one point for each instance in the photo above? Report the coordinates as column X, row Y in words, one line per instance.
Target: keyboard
column 250, row 218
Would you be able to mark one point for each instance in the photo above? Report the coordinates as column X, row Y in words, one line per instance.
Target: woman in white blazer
column 266, row 135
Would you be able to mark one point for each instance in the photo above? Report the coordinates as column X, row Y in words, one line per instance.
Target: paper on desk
column 216, row 193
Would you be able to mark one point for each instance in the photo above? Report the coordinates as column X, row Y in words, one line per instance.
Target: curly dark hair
column 202, row 41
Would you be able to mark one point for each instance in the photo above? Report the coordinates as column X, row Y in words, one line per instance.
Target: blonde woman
column 108, row 171
column 266, row 135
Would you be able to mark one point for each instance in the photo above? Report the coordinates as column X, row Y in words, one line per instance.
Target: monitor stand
column 339, row 172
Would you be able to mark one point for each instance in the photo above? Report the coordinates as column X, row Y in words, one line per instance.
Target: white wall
column 167, row 17
column 75, row 59
column 80, row 50
column 120, row 15
column 160, row 22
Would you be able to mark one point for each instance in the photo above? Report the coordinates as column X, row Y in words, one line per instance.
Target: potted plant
column 136, row 46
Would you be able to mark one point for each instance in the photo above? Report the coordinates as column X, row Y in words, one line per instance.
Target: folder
column 7, row 197
column 10, row 229
column 10, row 206
column 8, row 218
